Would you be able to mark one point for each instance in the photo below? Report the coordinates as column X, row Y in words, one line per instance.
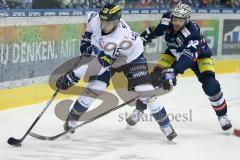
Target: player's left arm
column 153, row 32
column 189, row 54
column 185, row 61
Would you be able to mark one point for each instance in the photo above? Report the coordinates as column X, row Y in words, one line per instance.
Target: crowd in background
column 86, row 4
column 193, row 3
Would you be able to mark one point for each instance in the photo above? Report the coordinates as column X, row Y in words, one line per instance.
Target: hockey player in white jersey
column 119, row 49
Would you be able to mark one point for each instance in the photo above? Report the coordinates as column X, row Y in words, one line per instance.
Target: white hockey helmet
column 182, row 11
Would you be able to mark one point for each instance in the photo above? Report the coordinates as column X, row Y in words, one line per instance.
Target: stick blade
column 14, row 142
column 34, row 135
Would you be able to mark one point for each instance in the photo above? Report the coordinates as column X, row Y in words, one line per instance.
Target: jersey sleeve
column 136, row 48
column 189, row 53
column 164, row 23
column 90, row 18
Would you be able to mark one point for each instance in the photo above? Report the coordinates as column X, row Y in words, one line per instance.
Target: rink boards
column 32, row 45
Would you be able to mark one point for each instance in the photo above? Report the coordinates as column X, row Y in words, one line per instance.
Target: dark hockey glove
column 67, row 80
column 155, row 77
column 86, row 47
column 148, row 35
column 168, row 77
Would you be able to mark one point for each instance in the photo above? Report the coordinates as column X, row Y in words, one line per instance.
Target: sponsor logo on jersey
column 107, row 59
column 115, row 9
column 188, row 53
column 139, row 74
column 185, row 32
column 179, row 41
column 173, row 44
column 138, row 68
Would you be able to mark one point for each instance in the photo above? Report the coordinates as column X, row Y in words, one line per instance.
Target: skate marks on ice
column 88, row 145
column 119, row 144
column 234, row 102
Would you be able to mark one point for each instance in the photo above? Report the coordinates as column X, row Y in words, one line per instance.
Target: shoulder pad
column 191, row 29
column 91, row 15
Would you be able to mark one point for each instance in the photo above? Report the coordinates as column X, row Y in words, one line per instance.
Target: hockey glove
column 155, row 77
column 67, row 80
column 168, row 77
column 86, row 47
column 148, row 35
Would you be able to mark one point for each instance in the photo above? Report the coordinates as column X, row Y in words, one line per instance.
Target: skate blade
column 173, row 142
column 227, row 132
column 67, row 136
column 129, row 127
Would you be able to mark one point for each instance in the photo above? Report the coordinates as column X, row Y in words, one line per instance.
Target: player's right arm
column 71, row 77
column 86, row 47
column 152, row 32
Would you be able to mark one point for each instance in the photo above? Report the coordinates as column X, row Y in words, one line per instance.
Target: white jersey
column 123, row 44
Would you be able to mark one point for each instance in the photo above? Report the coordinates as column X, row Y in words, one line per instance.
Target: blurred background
column 34, row 43
column 89, row 4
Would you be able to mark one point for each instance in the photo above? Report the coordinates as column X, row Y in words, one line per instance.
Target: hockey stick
column 17, row 142
column 79, row 125
column 41, row 137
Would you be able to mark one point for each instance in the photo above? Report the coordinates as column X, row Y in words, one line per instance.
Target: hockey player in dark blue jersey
column 186, row 48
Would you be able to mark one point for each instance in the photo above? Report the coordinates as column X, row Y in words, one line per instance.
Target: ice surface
column 108, row 138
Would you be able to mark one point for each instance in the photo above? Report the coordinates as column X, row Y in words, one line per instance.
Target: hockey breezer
column 79, row 125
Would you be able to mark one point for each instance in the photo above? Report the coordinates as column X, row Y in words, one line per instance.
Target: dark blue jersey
column 186, row 45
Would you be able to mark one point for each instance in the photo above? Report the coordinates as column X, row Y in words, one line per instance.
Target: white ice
column 199, row 134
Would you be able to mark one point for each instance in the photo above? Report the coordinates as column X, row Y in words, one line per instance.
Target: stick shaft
column 40, row 115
